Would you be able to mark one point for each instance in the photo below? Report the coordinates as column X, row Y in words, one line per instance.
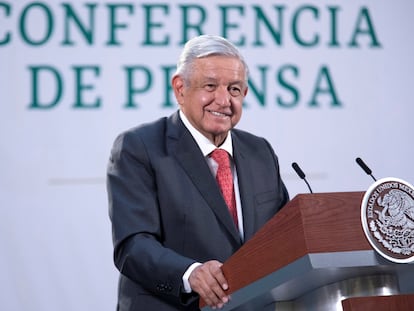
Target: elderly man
column 185, row 192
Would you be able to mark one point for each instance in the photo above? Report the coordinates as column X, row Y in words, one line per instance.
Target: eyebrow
column 215, row 80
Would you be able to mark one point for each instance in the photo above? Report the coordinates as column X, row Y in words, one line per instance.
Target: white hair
column 204, row 46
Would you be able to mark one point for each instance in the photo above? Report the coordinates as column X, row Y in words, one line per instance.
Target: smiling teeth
column 218, row 114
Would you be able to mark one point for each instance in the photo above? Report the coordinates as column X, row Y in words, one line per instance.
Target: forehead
column 218, row 66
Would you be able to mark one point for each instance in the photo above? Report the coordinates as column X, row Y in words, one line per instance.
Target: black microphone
column 301, row 174
column 365, row 167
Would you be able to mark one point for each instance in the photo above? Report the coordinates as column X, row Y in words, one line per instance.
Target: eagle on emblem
column 398, row 209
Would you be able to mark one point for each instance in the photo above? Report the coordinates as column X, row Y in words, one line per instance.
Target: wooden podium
column 310, row 256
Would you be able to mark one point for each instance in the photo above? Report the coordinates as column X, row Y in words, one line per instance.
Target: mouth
column 219, row 114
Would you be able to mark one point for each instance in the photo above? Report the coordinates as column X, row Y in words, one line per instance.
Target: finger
column 213, row 291
column 220, row 278
column 219, row 285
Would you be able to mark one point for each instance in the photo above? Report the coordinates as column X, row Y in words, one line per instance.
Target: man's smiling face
column 212, row 98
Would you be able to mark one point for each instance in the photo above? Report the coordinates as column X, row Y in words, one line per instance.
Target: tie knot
column 221, row 157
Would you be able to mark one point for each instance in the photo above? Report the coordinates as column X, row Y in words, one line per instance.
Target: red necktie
column 225, row 180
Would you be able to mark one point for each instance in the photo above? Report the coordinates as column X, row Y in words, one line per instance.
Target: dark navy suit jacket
column 167, row 211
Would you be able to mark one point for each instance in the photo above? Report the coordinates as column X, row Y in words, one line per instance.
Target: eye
column 210, row 87
column 234, row 91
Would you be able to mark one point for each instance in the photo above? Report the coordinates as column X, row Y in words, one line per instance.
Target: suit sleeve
column 136, row 224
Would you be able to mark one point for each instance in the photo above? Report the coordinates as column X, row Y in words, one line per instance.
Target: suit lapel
column 244, row 175
column 182, row 145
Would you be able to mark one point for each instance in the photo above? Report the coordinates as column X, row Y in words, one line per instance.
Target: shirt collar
column 203, row 143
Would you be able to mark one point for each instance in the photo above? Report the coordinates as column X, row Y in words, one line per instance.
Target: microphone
column 301, row 174
column 365, row 168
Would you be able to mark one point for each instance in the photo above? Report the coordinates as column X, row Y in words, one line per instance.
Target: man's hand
column 209, row 282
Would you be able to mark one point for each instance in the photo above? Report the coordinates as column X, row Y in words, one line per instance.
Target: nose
column 222, row 96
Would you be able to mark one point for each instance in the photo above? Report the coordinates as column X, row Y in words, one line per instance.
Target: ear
column 177, row 83
column 246, row 90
